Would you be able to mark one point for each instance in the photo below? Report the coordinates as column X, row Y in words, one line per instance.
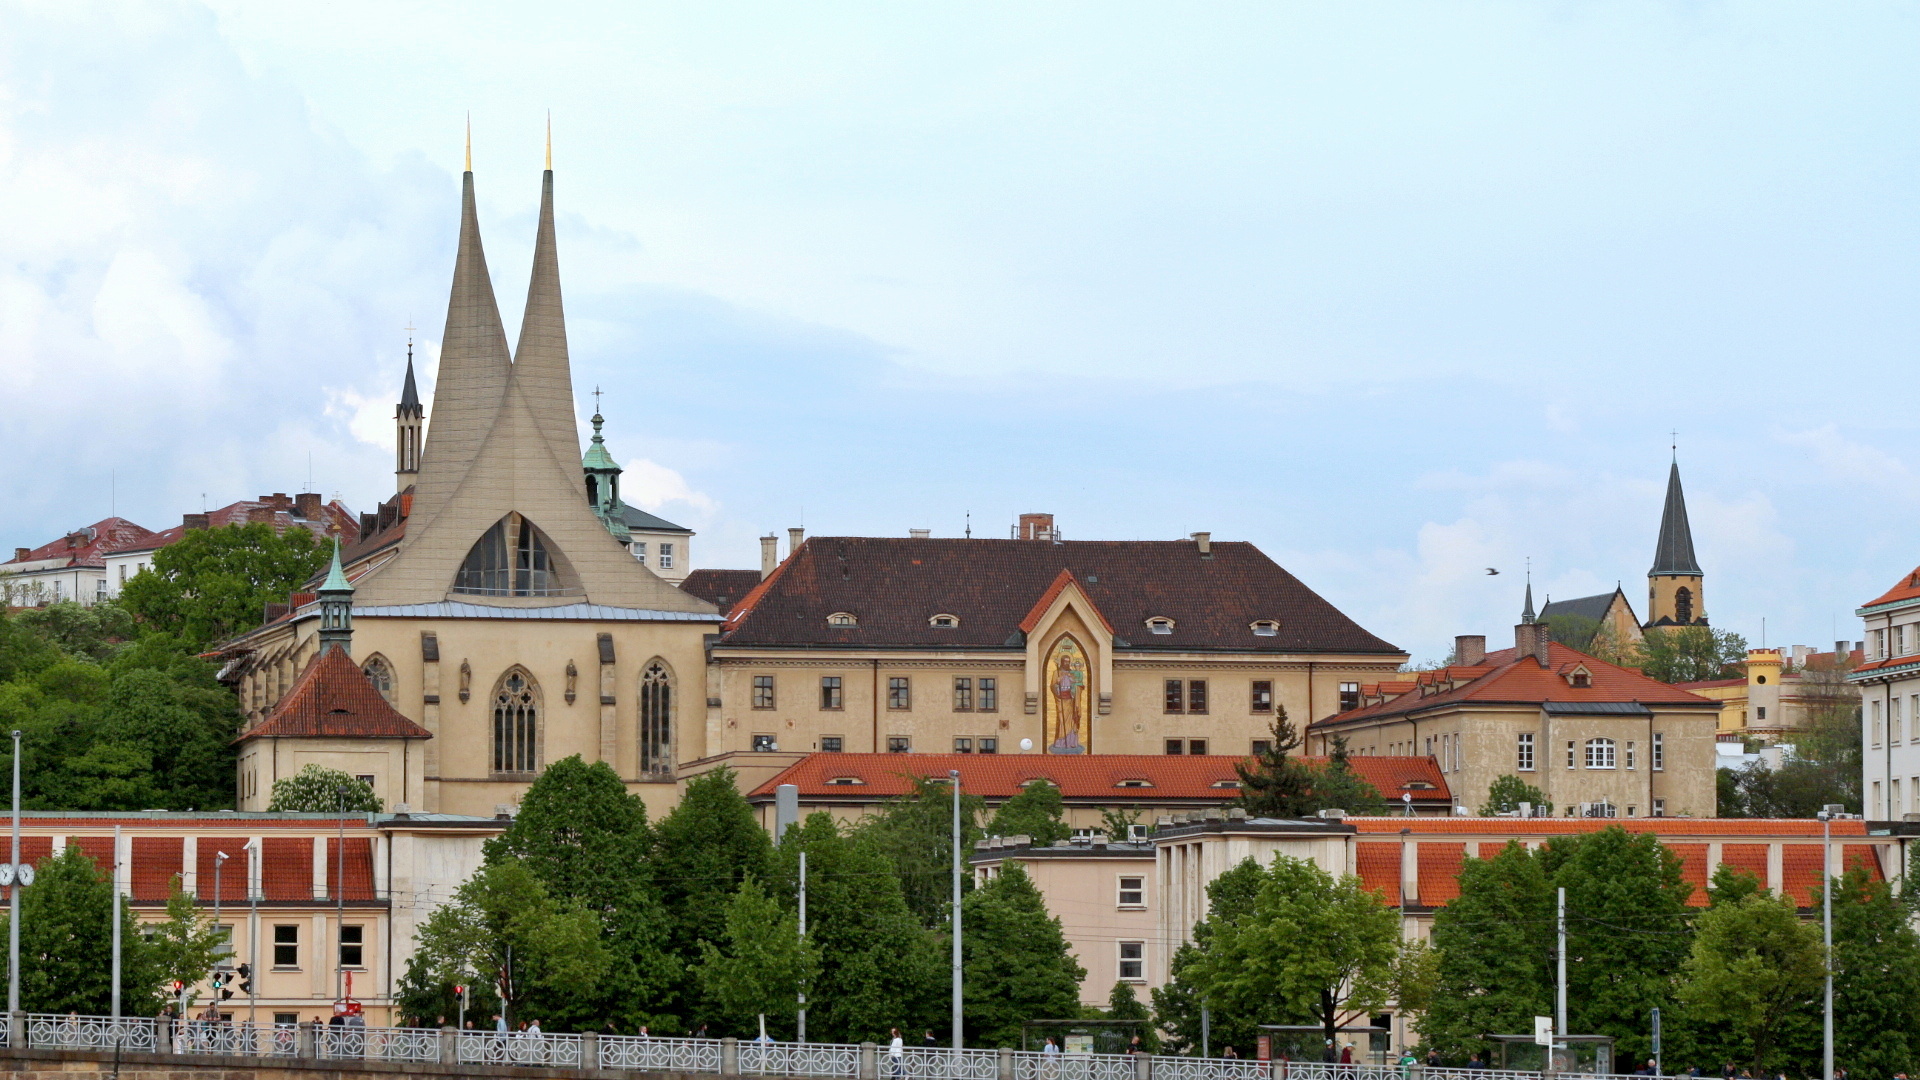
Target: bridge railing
column 519, row 1048
column 646, row 1054
column 71, row 1031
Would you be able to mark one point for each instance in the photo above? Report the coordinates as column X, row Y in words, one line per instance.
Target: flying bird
column 1491, row 571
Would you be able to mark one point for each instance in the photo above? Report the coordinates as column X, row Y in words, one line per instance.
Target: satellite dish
column 1026, row 744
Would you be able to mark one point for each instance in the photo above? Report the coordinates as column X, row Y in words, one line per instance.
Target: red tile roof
column 893, row 586
column 1378, row 865
column 1511, row 678
column 91, row 544
column 1907, row 589
column 721, row 588
column 1542, row 828
column 333, row 699
column 1204, row 777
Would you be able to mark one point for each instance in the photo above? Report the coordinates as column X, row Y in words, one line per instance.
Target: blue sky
column 1398, row 292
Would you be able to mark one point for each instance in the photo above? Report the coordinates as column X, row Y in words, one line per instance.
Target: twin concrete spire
column 503, row 446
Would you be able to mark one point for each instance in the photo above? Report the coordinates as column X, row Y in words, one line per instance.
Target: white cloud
column 652, row 486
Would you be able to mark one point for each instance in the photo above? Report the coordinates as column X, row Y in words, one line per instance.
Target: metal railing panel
column 73, row 1032
column 946, row 1063
column 519, row 1048
column 648, row 1054
column 799, row 1059
column 1168, row 1067
column 233, row 1039
column 379, row 1043
column 1028, row 1065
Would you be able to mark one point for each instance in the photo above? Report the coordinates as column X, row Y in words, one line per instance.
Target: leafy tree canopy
column 915, row 833
column 215, row 583
column 1124, row 1004
column 1677, row 654
column 1507, row 792
column 1017, row 962
column 1280, row 785
column 1756, row 967
column 66, row 944
column 1876, row 983
column 1494, row 948
column 317, row 789
column 702, row 852
column 503, row 928
column 761, row 965
column 1037, row 812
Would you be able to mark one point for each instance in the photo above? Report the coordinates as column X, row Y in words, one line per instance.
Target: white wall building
column 1889, row 682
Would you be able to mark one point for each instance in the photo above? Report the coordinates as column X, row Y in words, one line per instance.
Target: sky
column 1397, row 292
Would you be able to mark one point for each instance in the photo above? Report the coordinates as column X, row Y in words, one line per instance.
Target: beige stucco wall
column 1082, row 890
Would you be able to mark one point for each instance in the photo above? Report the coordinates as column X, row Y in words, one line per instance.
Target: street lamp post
column 219, row 860
column 253, row 930
column 954, row 775
column 1827, row 814
column 340, row 904
column 13, row 894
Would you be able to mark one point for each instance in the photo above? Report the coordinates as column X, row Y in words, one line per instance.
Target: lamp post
column 1827, row 814
column 954, row 776
column 13, row 894
column 253, row 929
column 340, row 903
column 219, row 860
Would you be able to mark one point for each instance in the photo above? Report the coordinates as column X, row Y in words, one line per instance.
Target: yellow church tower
column 1674, row 595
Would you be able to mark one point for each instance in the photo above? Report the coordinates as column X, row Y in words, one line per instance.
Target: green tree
column 1678, row 654
column 1507, row 792
column 763, row 966
column 215, row 583
column 1279, row 785
column 187, row 945
column 317, row 789
column 502, row 927
column 702, row 852
column 1177, row 1004
column 1756, row 967
column 425, row 1000
column 1017, row 963
column 1124, row 1004
column 586, row 839
column 66, row 943
column 1628, row 930
column 879, row 966
column 1493, row 945
column 93, row 633
column 1319, row 949
column 1037, row 812
column 1876, row 982
column 1118, row 823
column 915, row 833
column 24, row 647
column 1730, row 883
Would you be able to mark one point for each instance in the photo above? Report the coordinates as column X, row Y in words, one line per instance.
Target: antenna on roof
column 969, row 524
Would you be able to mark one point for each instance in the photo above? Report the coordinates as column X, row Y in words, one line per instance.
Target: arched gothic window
column 656, row 719
column 516, row 723
column 380, row 674
column 514, row 558
column 1683, row 605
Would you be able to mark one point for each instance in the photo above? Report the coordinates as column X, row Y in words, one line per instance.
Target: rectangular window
column 1762, row 710
column 1913, row 709
column 351, row 940
column 286, row 946
column 1133, row 961
column 1893, row 720
column 989, row 695
column 286, row 1019
column 830, row 692
column 1659, row 808
column 1176, row 746
column 899, row 693
column 1659, row 751
column 962, row 745
column 1349, row 696
column 1196, row 746
column 123, row 573
column 666, row 556
column 640, row 553
column 223, row 944
column 1262, row 746
column 1569, row 753
column 1197, row 696
column 765, row 744
column 1875, row 709
column 1893, row 796
column 365, row 778
column 1133, row 892
column 989, row 745
column 1632, row 757
column 1263, row 695
column 1523, row 754
column 899, row 744
column 763, row 691
column 962, row 695
column 1176, row 696
column 832, row 744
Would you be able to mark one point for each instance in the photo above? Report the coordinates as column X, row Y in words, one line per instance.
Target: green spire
column 603, row 482
column 336, row 578
column 336, row 608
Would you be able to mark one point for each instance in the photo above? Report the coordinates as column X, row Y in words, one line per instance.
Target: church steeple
column 541, row 367
column 408, row 421
column 1674, row 595
column 336, row 608
column 1526, row 613
column 603, row 483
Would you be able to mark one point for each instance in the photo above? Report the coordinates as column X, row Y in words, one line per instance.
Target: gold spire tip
column 549, row 140
column 469, row 142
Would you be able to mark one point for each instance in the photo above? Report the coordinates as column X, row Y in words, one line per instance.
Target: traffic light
column 246, row 978
column 220, row 984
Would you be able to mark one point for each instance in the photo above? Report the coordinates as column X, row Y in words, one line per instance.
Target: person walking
column 896, row 1054
column 1407, row 1062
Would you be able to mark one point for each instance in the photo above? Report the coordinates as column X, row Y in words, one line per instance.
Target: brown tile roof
column 279, row 510
column 1205, row 777
column 1510, row 678
column 91, row 544
column 893, row 586
column 333, row 699
column 1907, row 589
column 721, row 588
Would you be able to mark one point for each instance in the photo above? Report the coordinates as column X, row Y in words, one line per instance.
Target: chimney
column 193, row 521
column 1530, row 638
column 20, row 554
column 920, row 534
column 257, row 514
column 795, row 537
column 1035, row 527
column 1469, row 650
column 769, row 555
column 1839, row 650
column 1204, row 541
column 307, row 505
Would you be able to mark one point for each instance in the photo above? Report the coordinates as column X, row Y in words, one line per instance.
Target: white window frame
column 1121, row 960
column 1138, row 889
column 1600, row 753
column 1523, row 752
column 1571, row 745
column 1632, row 758
column 666, row 556
column 1660, row 758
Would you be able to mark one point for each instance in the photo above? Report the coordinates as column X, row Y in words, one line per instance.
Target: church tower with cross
column 1674, row 593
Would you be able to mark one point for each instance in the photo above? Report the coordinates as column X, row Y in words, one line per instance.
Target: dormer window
column 1419, row 785
column 1226, row 784
column 845, row 781
column 1265, row 628
column 944, row 622
column 1134, row 783
column 1580, row 678
column 1160, row 624
column 842, row 618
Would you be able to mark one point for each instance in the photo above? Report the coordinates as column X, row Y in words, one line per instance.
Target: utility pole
column 800, row 1031
column 340, row 904
column 116, row 931
column 13, row 895
column 954, row 775
column 1827, row 814
column 253, row 929
column 1560, row 998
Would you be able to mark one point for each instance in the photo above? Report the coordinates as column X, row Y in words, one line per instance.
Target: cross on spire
column 596, row 401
